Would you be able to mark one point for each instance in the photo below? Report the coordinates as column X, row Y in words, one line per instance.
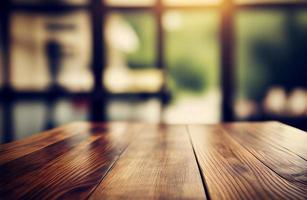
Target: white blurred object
column 120, row 35
column 245, row 108
column 135, row 110
column 120, row 81
column 121, row 38
column 275, row 100
column 191, row 2
column 130, row 2
column 172, row 21
column 195, row 109
column 297, row 102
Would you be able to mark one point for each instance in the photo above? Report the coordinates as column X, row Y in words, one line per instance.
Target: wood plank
column 47, row 156
column 74, row 173
column 231, row 172
column 293, row 139
column 16, row 149
column 268, row 150
column 159, row 164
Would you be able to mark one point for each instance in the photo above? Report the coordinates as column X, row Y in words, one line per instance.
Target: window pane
column 134, row 109
column 191, row 2
column 271, row 61
column 54, row 48
column 130, row 40
column 46, row 115
column 192, row 55
column 73, row 2
column 64, row 111
column 24, row 125
column 130, row 2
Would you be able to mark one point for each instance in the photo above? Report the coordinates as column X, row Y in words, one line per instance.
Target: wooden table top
column 121, row 160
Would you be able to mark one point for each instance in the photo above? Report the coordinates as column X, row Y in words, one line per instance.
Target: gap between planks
column 203, row 179
column 114, row 162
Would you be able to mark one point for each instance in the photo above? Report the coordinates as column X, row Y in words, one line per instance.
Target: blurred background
column 168, row 61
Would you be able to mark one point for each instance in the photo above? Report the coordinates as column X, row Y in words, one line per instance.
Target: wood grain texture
column 122, row 160
column 271, row 150
column 71, row 172
column 20, row 148
column 232, row 172
column 293, row 139
column 159, row 164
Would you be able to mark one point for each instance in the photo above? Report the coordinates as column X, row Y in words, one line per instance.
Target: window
column 46, row 115
column 131, row 53
column 271, row 48
column 136, row 53
column 51, row 45
column 134, row 109
column 192, row 66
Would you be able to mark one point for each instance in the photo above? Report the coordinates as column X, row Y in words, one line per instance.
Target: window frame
column 98, row 10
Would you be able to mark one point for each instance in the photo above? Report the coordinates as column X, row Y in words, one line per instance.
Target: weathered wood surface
column 122, row 160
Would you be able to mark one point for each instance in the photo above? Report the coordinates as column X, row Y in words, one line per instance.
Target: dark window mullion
column 159, row 12
column 227, row 59
column 5, row 39
column 272, row 5
column 99, row 95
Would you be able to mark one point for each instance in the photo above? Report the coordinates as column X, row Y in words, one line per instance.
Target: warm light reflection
column 245, row 108
column 125, row 80
column 294, row 103
column 130, row 2
column 297, row 102
column 191, row 2
column 275, row 100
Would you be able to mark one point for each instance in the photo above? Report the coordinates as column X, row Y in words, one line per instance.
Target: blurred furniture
column 122, row 160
